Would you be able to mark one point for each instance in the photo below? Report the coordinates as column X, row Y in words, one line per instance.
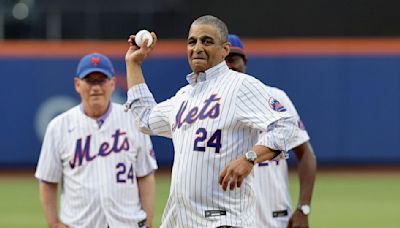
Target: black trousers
column 227, row 227
column 140, row 224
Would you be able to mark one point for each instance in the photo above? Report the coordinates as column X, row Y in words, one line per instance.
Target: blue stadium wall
column 350, row 104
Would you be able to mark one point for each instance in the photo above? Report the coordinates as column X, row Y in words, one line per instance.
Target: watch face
column 251, row 156
column 305, row 209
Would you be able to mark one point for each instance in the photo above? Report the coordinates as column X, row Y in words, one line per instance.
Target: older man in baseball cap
column 105, row 166
column 95, row 83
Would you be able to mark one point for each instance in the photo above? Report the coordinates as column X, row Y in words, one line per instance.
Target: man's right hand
column 136, row 55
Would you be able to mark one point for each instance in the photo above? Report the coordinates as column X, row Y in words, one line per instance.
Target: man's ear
column 227, row 48
column 77, row 83
column 113, row 82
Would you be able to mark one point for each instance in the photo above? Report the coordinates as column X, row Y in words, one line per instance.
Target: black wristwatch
column 304, row 208
column 251, row 157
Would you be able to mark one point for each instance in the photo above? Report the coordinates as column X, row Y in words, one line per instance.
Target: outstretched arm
column 307, row 166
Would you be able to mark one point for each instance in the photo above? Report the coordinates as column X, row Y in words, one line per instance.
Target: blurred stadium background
column 337, row 60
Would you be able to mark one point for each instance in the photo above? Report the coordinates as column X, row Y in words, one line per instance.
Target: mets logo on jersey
column 83, row 152
column 275, row 105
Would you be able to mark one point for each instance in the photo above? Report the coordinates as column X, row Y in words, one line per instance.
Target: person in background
column 104, row 166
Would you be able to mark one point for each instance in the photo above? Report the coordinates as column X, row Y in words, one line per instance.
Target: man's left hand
column 234, row 173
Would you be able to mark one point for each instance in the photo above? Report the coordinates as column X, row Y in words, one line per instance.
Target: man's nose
column 198, row 47
column 96, row 86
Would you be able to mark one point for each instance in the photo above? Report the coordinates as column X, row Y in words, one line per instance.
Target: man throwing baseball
column 220, row 129
column 273, row 204
column 104, row 165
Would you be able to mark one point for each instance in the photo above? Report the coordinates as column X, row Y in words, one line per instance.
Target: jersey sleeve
column 150, row 117
column 146, row 160
column 49, row 167
column 258, row 109
column 300, row 135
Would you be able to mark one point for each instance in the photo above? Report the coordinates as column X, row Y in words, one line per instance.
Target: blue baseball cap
column 236, row 45
column 95, row 62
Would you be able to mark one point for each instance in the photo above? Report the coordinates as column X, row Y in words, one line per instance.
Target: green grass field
column 340, row 200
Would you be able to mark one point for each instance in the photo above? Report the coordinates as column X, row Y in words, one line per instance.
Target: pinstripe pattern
column 271, row 178
column 91, row 195
column 243, row 113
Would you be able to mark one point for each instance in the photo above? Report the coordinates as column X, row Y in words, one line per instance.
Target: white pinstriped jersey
column 98, row 166
column 212, row 121
column 273, row 204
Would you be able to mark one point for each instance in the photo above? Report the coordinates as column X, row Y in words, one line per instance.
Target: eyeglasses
column 95, row 81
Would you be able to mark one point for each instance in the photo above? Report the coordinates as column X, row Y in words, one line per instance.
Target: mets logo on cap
column 95, row 61
column 276, row 105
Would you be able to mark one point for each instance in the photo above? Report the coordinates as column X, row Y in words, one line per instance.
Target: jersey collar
column 100, row 121
column 208, row 74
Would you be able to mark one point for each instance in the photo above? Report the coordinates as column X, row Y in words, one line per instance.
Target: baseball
column 141, row 36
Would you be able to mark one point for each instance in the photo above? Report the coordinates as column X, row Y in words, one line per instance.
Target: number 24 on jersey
column 213, row 141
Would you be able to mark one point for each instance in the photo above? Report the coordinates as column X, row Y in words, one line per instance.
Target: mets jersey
column 218, row 116
column 97, row 165
column 273, row 204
